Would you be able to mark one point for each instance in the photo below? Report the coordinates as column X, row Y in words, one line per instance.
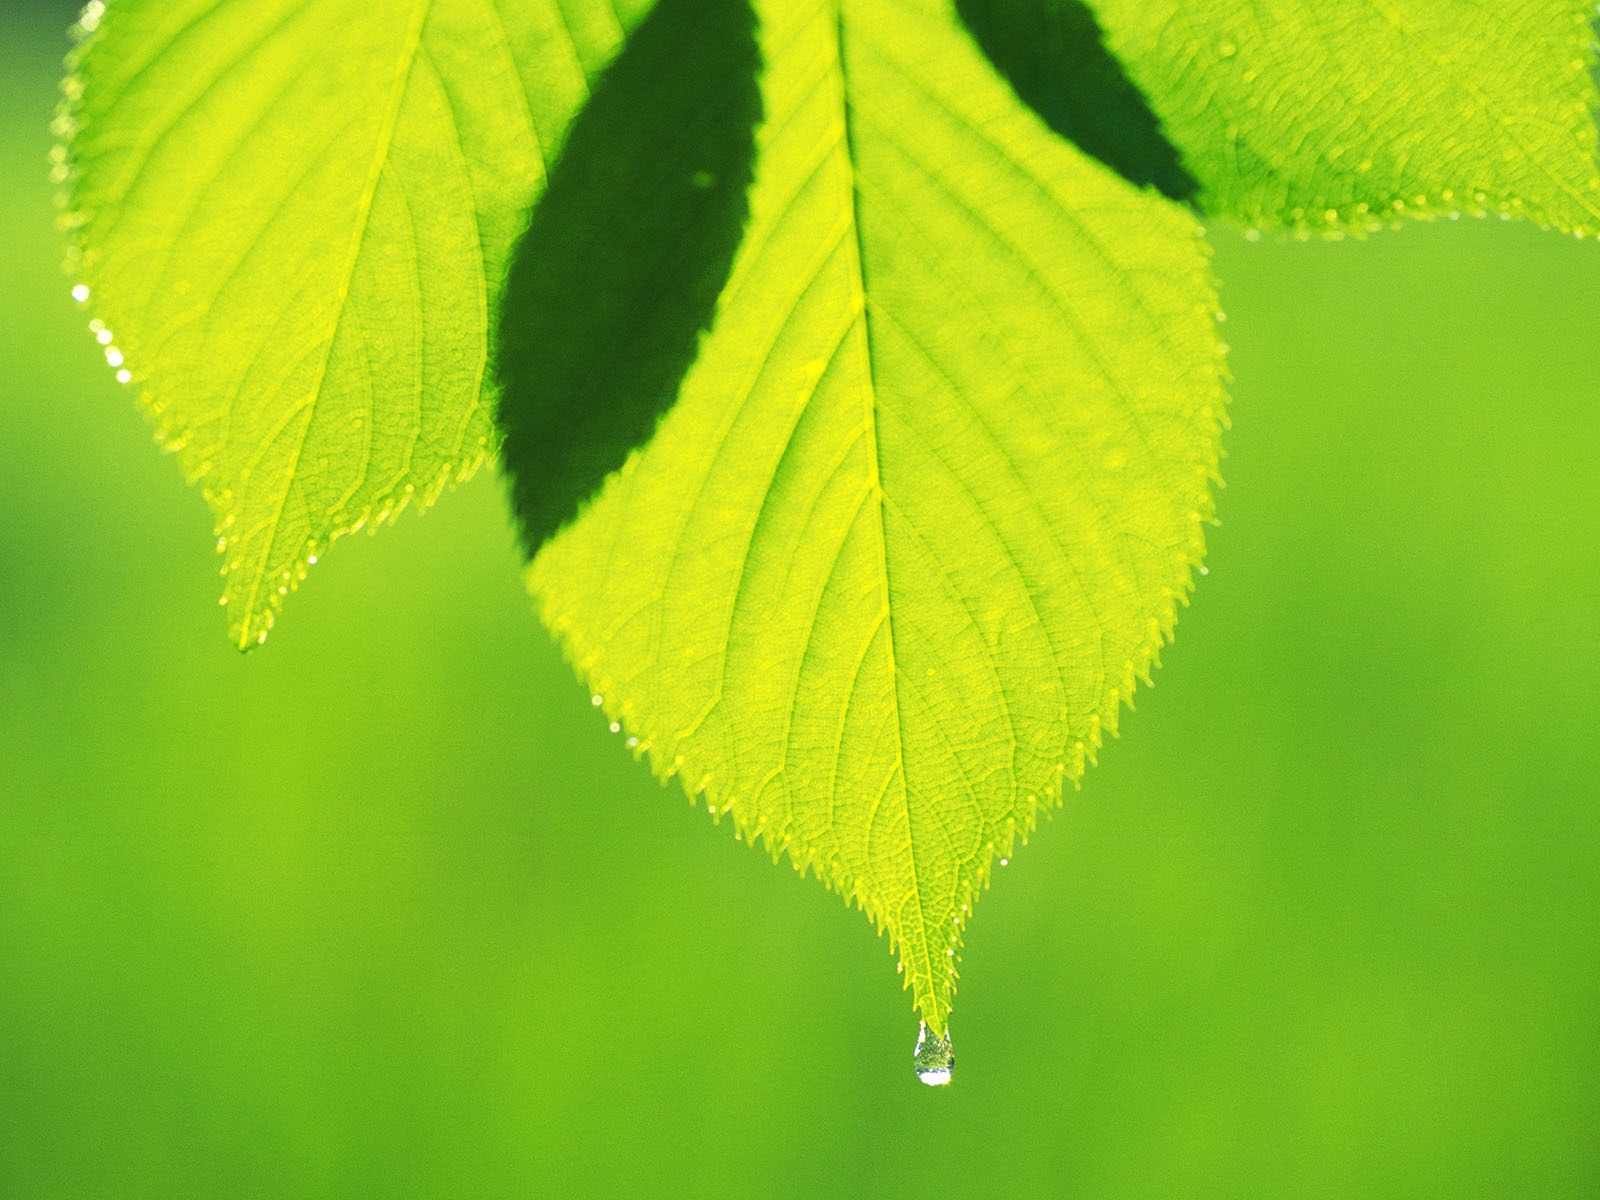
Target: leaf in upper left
column 293, row 218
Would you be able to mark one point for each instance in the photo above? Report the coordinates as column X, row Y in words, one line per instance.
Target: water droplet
column 1005, row 862
column 80, row 293
column 597, row 699
column 934, row 1058
column 124, row 376
column 616, row 727
column 103, row 336
column 113, row 356
column 311, row 560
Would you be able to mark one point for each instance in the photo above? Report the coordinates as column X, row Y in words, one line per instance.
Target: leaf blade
column 820, row 595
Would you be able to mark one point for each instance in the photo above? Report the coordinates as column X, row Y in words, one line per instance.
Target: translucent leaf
column 931, row 492
column 293, row 218
column 1326, row 115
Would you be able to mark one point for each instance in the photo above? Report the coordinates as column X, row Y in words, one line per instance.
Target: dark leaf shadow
column 625, row 255
column 1054, row 55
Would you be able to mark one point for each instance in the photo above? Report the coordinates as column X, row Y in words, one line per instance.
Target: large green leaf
column 1322, row 115
column 931, row 492
column 294, row 216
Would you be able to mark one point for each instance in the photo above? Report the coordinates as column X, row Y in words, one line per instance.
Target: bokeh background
column 383, row 910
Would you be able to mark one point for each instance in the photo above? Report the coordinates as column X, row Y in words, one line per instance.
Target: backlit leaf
column 1322, row 115
column 293, row 219
column 931, row 492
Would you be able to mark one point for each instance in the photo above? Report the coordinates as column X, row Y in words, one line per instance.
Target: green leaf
column 932, row 489
column 1360, row 111
column 295, row 216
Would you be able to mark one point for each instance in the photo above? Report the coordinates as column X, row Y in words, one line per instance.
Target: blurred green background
column 383, row 910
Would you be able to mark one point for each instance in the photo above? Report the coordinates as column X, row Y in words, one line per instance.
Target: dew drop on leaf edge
column 934, row 1057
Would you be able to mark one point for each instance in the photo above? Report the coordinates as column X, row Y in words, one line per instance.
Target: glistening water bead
column 934, row 1058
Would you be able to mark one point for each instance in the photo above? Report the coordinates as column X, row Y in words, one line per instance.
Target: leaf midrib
column 921, row 949
column 404, row 67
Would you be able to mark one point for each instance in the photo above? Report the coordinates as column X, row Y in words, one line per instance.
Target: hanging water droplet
column 597, row 699
column 934, row 1058
column 80, row 293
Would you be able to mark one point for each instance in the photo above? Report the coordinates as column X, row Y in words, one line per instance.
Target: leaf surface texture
column 1319, row 115
column 932, row 488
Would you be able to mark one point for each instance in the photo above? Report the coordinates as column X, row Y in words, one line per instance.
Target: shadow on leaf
column 1055, row 56
column 625, row 255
